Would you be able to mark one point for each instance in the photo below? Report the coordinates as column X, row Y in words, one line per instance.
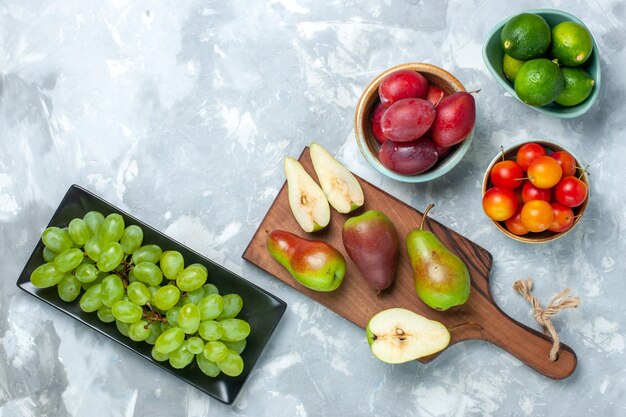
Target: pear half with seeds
column 398, row 335
column 306, row 199
column 342, row 189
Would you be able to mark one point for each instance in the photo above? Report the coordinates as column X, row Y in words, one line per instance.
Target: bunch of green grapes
column 150, row 294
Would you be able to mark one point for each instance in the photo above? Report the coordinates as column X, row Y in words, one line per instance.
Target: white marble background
column 181, row 113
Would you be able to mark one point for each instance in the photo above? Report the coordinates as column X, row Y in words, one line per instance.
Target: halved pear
column 306, row 199
column 342, row 189
column 398, row 335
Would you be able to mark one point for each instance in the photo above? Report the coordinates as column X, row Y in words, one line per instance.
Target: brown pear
column 371, row 241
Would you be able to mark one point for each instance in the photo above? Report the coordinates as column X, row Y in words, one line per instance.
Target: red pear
column 371, row 241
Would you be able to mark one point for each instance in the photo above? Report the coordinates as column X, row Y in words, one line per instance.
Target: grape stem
column 153, row 316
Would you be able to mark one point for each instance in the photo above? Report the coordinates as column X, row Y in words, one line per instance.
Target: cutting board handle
column 528, row 345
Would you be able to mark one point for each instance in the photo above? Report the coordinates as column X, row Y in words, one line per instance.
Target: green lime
column 511, row 66
column 571, row 43
column 525, row 36
column 539, row 82
column 578, row 86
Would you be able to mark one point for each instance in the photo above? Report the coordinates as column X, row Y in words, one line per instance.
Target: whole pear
column 313, row 263
column 371, row 241
column 441, row 278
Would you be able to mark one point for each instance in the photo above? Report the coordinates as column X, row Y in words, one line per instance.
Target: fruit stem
column 584, row 171
column 431, row 205
column 502, row 152
column 439, row 101
column 475, row 91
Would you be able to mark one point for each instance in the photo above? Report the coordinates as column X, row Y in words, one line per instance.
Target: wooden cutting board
column 479, row 318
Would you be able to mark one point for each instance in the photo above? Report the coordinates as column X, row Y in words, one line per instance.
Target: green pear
column 441, row 278
column 371, row 241
column 342, row 189
column 307, row 200
column 398, row 335
column 313, row 263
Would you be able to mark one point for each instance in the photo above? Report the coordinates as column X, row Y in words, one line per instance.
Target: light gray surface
column 181, row 114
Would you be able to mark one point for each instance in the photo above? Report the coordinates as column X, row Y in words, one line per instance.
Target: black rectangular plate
column 261, row 309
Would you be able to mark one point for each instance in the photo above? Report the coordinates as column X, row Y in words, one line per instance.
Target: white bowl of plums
column 535, row 191
column 415, row 122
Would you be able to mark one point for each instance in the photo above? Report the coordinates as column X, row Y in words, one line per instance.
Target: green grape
column 105, row 315
column 215, row 351
column 86, row 272
column 112, row 290
column 181, row 357
column 191, row 278
column 172, row 263
column 158, row 356
column 189, row 318
column 48, row 255
column 131, row 276
column 170, row 340
column 126, row 311
column 237, row 346
column 234, row 330
column 56, row 239
column 166, row 297
column 232, row 306
column 79, row 231
column 210, row 289
column 68, row 259
column 207, row 367
column 139, row 331
column 93, row 249
column 68, row 288
column 110, row 257
column 94, row 220
column 147, row 253
column 111, row 229
column 210, row 330
column 166, row 326
column 131, row 239
column 232, row 365
column 46, row 275
column 172, row 315
column 122, row 327
column 211, row 306
column 201, row 267
column 195, row 345
column 152, row 290
column 91, row 301
column 155, row 332
column 148, row 273
column 192, row 297
column 97, row 281
column 138, row 293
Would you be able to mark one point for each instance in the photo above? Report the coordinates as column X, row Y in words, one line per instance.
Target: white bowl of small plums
column 415, row 122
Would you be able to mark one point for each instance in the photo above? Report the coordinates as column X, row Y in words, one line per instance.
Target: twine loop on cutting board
column 542, row 315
